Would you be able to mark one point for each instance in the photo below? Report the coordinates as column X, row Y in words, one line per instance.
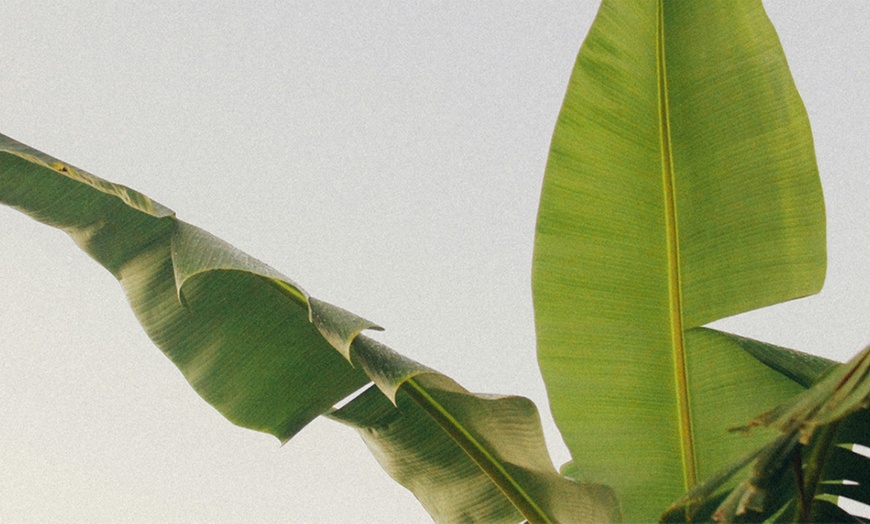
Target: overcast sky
column 388, row 159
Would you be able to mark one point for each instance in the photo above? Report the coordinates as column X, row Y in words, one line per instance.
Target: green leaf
column 467, row 457
column 814, row 427
column 844, row 465
column 828, row 511
column 270, row 357
column 681, row 188
column 843, row 391
column 801, row 367
column 216, row 312
column 501, row 435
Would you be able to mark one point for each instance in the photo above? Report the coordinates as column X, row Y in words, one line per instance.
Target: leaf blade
column 270, row 357
column 245, row 347
column 478, row 459
column 669, row 201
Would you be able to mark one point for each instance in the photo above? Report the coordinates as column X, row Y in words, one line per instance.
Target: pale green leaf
column 841, row 392
column 681, row 188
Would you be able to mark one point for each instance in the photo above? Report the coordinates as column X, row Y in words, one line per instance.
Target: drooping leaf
column 242, row 344
column 270, row 357
column 681, row 188
column 471, row 458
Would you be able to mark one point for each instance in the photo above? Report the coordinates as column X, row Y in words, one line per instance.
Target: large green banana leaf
column 681, row 188
column 269, row 357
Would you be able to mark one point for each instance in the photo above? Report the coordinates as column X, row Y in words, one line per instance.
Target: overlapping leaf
column 681, row 188
column 808, row 464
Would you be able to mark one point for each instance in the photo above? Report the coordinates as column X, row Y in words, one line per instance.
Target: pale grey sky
column 388, row 158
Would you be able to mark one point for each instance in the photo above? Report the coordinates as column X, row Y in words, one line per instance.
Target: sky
column 389, row 159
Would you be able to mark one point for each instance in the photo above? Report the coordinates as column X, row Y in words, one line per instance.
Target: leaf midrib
column 478, row 452
column 675, row 311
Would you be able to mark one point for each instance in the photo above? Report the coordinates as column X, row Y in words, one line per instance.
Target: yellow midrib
column 687, row 444
column 479, row 453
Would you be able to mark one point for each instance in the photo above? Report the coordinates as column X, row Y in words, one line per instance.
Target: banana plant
column 681, row 188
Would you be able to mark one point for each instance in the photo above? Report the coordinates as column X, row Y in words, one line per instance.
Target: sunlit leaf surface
column 681, row 188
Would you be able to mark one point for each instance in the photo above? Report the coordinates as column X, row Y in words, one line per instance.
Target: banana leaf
column 243, row 342
column 681, row 188
column 490, row 462
column 270, row 357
